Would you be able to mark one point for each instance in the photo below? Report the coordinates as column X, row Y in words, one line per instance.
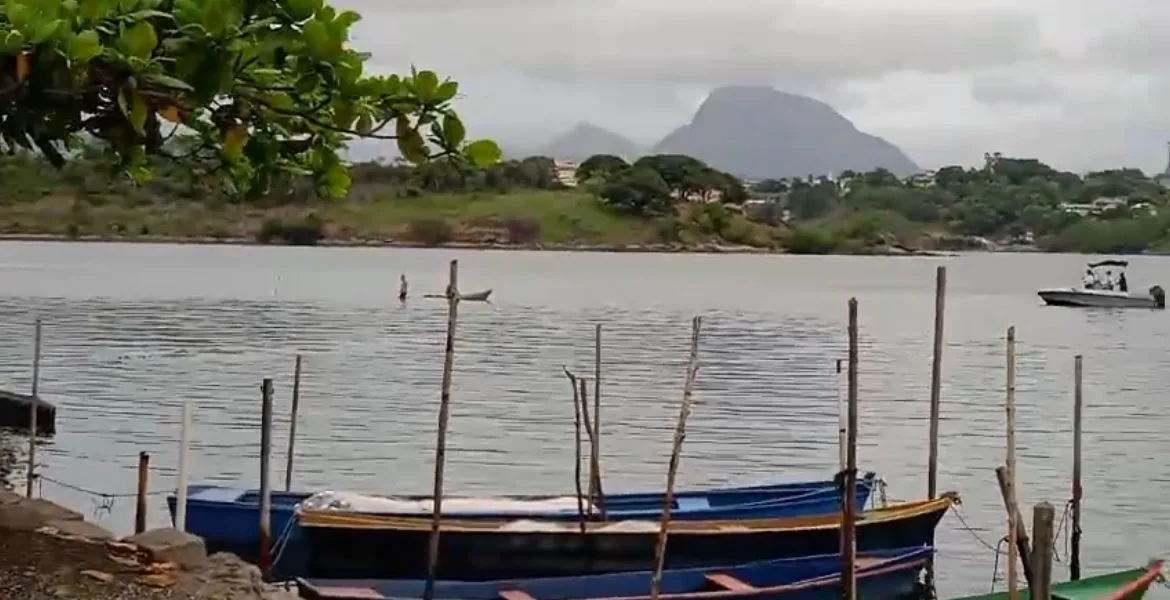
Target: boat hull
column 1098, row 299
column 342, row 547
column 880, row 575
column 1130, row 584
column 228, row 518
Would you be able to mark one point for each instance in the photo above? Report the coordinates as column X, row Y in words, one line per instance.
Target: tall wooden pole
column 1022, row 544
column 676, row 450
column 940, row 295
column 1013, row 517
column 849, row 508
column 599, row 500
column 577, row 449
column 266, row 479
column 32, row 411
column 184, row 465
column 842, row 424
column 292, row 425
column 441, row 442
column 1074, row 565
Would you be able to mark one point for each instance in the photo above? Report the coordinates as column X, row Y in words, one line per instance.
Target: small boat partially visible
column 472, row 297
column 1098, row 294
column 1130, row 584
column 881, row 575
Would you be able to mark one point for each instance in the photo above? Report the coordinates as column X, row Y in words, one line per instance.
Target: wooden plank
column 515, row 595
column 731, row 583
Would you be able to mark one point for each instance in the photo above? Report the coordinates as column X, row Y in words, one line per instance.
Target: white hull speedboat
column 1084, row 297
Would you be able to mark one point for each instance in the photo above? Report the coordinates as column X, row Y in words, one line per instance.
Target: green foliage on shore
column 658, row 200
column 1008, row 201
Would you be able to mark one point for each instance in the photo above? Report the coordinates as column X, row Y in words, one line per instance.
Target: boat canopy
column 1109, row 263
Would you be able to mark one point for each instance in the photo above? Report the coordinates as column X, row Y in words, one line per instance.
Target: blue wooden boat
column 349, row 545
column 881, row 575
column 228, row 518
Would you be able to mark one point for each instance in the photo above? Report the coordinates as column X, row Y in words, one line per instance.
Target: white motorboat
column 1102, row 294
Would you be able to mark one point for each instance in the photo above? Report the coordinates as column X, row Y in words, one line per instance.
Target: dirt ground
column 49, row 552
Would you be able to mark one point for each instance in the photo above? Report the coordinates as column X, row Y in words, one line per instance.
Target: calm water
column 131, row 330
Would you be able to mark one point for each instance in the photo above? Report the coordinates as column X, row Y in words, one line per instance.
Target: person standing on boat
column 1090, row 280
column 402, row 288
column 1109, row 280
column 1122, row 283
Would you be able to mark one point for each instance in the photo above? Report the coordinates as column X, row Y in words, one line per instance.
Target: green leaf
column 426, row 85
column 300, row 10
column 134, row 108
column 453, row 131
column 46, row 31
column 85, row 46
column 335, row 181
column 316, row 36
column 446, row 91
column 168, row 81
column 11, row 41
column 139, row 40
column 365, row 124
column 412, row 147
column 483, row 153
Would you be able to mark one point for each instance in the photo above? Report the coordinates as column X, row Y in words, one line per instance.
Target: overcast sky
column 1079, row 84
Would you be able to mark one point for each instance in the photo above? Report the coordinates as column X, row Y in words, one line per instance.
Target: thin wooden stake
column 679, row 435
column 599, row 499
column 940, row 295
column 577, row 448
column 849, row 495
column 1043, row 515
column 1023, row 545
column 140, row 506
column 32, row 411
column 441, row 442
column 1013, row 517
column 292, row 425
column 265, row 479
column 1074, row 565
column 842, row 425
column 594, row 465
column 184, row 465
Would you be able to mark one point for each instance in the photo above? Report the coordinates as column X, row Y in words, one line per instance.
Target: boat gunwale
column 1153, row 572
column 332, row 519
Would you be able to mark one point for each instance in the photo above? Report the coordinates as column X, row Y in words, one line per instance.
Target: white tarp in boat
column 364, row 503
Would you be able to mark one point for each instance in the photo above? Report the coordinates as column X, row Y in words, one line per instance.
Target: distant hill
column 759, row 132
column 585, row 140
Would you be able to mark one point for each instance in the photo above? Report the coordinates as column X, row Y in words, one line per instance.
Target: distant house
column 565, row 171
column 925, row 179
column 1097, row 207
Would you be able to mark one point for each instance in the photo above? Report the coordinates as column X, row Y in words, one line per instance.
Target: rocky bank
column 48, row 552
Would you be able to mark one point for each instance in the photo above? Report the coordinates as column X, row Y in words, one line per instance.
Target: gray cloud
column 946, row 81
column 1015, row 89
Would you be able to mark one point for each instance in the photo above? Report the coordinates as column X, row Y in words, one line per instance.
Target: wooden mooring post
column 842, row 425
column 676, row 450
column 265, row 479
column 1074, row 563
column 140, row 506
column 1022, row 543
column 849, row 494
column 184, row 466
column 441, row 437
column 292, row 425
column 577, row 449
column 1013, row 515
column 32, row 412
column 940, row 295
column 1043, row 515
column 599, row 498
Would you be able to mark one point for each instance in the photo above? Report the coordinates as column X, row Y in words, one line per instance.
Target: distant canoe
column 476, row 297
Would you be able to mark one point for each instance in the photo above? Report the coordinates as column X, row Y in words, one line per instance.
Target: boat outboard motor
column 1159, row 296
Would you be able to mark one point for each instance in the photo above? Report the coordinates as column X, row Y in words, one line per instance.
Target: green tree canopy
column 264, row 87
